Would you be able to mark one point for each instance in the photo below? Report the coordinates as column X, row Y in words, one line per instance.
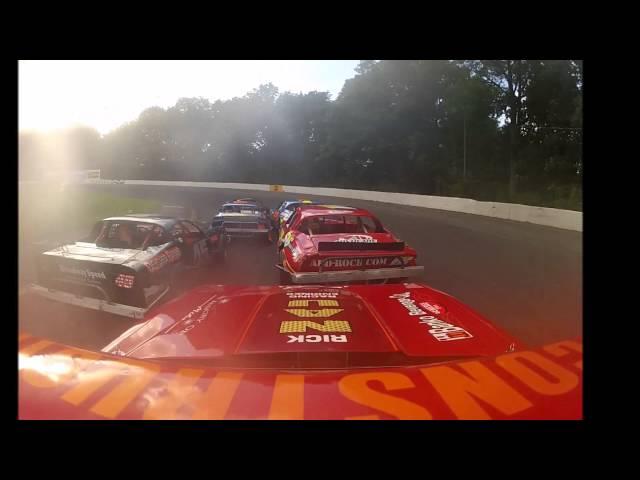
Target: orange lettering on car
column 48, row 371
column 176, row 394
column 287, row 401
column 564, row 380
column 356, row 388
column 90, row 381
column 135, row 381
column 560, row 349
column 460, row 391
column 214, row 403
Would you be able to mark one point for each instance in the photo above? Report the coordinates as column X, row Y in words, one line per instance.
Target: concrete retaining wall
column 552, row 217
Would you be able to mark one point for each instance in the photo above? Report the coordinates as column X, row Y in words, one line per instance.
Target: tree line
column 499, row 130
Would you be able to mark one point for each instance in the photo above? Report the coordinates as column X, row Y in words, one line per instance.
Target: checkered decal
column 300, row 326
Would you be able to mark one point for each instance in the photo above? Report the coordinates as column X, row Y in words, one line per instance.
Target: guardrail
column 552, row 217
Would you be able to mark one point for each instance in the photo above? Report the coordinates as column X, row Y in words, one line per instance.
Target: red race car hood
column 60, row 382
column 405, row 323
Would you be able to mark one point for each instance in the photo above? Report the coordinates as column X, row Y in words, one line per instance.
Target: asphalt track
column 525, row 278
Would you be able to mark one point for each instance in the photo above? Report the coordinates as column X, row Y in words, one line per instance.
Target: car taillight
column 125, row 281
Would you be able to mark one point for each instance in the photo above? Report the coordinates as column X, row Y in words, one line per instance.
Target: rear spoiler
column 362, row 246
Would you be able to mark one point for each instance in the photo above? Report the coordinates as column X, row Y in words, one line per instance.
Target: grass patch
column 47, row 211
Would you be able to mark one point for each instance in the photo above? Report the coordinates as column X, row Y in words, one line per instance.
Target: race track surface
column 525, row 278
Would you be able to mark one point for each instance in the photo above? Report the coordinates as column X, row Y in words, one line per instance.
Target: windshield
column 318, row 361
column 128, row 234
column 240, row 209
column 335, row 224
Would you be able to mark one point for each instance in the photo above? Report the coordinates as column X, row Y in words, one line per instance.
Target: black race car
column 127, row 264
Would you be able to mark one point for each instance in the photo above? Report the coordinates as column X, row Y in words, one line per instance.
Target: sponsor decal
column 358, row 239
column 317, row 338
column 432, row 308
column 159, row 261
column 88, row 384
column 408, row 303
column 297, row 326
column 439, row 329
column 395, row 261
column 443, row 331
column 202, row 311
column 351, row 262
column 321, row 303
column 86, row 274
column 304, row 309
column 310, row 313
column 313, row 294
column 288, row 238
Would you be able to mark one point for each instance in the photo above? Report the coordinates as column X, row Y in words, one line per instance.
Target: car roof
column 299, row 200
column 314, row 210
column 162, row 220
column 240, row 201
column 240, row 204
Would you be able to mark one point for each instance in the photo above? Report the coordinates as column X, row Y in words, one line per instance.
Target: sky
column 104, row 94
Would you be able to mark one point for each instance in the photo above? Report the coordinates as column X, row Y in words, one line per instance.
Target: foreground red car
column 335, row 244
column 401, row 351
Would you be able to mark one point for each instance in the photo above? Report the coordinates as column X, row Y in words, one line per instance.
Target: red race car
column 337, row 244
column 300, row 352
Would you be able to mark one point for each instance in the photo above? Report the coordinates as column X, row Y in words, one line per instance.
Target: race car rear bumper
column 94, row 303
column 353, row 275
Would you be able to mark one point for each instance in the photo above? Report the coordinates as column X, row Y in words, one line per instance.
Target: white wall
column 552, row 217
